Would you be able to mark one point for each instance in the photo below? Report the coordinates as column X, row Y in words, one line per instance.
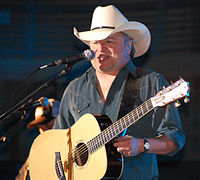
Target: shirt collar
column 131, row 68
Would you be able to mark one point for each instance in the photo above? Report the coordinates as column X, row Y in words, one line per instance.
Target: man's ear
column 132, row 53
column 128, row 45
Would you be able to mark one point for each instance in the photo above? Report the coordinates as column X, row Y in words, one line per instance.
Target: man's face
column 112, row 54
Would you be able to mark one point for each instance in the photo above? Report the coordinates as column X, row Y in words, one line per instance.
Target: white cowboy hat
column 109, row 20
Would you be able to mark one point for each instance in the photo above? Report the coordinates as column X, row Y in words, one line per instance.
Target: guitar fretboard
column 119, row 126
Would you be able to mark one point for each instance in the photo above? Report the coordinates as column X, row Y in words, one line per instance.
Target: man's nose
column 100, row 46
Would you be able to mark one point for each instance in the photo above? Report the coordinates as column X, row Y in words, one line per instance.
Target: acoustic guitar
column 85, row 150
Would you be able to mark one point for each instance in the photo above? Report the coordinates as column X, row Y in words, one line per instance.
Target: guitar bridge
column 59, row 167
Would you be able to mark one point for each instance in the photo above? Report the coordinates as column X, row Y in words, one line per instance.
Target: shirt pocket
column 81, row 108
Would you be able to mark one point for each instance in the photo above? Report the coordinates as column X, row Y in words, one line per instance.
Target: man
column 116, row 41
column 44, row 119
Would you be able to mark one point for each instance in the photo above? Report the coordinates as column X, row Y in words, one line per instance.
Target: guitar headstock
column 174, row 92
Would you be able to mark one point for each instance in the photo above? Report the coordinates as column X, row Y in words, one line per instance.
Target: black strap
column 130, row 93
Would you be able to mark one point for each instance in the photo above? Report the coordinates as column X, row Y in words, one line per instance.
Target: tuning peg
column 177, row 103
column 187, row 99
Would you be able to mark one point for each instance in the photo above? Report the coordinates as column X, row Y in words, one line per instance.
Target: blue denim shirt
column 82, row 96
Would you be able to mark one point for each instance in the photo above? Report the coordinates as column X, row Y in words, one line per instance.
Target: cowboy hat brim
column 138, row 32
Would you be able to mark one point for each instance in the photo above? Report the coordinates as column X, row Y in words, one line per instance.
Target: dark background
column 35, row 32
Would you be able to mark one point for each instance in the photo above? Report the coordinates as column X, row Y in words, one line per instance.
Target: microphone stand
column 31, row 95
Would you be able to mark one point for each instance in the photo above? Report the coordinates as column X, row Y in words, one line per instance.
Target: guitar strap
column 130, row 93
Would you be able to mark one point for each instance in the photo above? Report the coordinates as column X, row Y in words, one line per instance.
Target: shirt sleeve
column 171, row 123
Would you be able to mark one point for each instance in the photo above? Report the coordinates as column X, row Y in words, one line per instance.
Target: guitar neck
column 119, row 126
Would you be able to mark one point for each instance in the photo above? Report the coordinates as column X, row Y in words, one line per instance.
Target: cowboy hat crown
column 108, row 17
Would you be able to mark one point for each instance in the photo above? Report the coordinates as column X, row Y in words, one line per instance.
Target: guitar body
column 63, row 154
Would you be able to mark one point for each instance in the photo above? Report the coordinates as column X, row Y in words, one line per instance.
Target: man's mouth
column 103, row 57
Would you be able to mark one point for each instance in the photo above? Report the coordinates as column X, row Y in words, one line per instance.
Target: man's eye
column 110, row 42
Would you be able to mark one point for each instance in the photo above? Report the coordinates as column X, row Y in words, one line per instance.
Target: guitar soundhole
column 81, row 154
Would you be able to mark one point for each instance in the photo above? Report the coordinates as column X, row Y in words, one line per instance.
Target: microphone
column 43, row 101
column 87, row 55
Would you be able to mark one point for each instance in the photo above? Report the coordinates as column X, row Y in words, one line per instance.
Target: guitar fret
column 136, row 114
column 101, row 142
column 95, row 145
column 98, row 143
column 143, row 108
column 120, row 126
column 109, row 132
column 90, row 147
column 139, row 111
column 129, row 120
column 114, row 130
column 151, row 107
column 112, row 133
column 117, row 130
column 131, row 114
column 124, row 124
column 147, row 106
column 106, row 137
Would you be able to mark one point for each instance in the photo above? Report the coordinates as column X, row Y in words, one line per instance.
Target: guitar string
column 118, row 124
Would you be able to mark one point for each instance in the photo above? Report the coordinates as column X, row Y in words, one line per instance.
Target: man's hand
column 129, row 146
